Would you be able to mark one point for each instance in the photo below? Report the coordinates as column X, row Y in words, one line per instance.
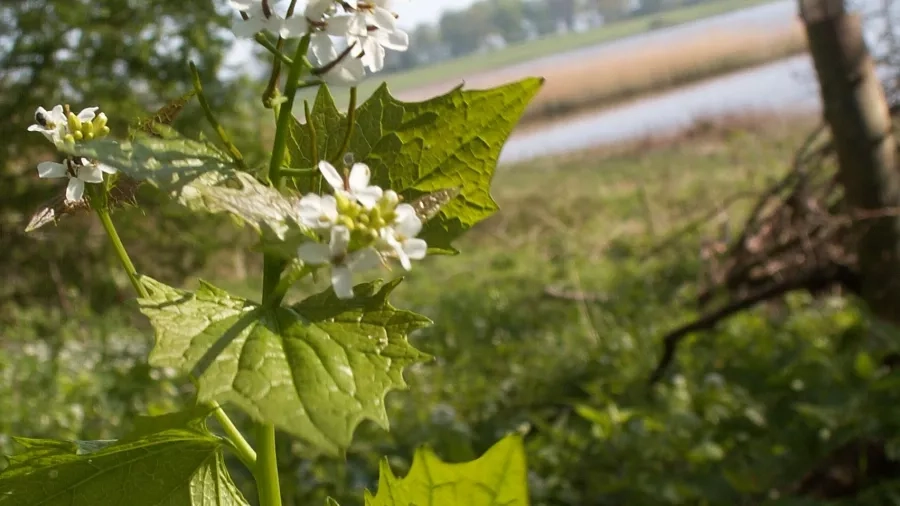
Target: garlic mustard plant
column 349, row 193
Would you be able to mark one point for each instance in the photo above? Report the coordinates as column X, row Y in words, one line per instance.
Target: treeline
column 491, row 24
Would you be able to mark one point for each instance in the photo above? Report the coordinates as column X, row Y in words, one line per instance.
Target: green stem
column 242, row 447
column 287, row 110
column 124, row 259
column 351, row 122
column 292, row 172
column 266, row 471
column 266, row 43
column 223, row 136
column 298, row 272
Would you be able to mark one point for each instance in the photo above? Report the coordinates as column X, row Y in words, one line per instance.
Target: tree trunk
column 857, row 113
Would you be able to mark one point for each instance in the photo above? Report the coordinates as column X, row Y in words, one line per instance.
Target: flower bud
column 74, row 122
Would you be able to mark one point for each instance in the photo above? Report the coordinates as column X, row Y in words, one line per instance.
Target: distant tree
column 508, row 19
column 126, row 56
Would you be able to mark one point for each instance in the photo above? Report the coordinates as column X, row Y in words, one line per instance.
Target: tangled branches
column 799, row 236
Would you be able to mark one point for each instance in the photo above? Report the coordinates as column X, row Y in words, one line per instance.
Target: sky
column 413, row 12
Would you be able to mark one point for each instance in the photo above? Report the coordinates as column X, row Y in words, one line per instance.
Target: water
column 785, row 86
column 788, row 85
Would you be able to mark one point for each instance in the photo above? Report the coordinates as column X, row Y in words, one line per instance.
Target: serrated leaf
column 171, row 460
column 415, row 148
column 202, row 178
column 315, row 369
column 169, row 163
column 498, row 477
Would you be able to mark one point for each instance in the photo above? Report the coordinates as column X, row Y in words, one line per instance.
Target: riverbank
column 460, row 68
column 612, row 81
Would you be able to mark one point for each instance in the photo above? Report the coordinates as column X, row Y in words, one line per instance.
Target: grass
column 456, row 68
column 612, row 80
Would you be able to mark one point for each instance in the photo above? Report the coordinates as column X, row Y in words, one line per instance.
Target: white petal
column 368, row 196
column 322, row 48
column 339, row 26
column 294, row 27
column 329, row 207
column 51, row 170
column 57, row 114
column 75, row 190
column 247, row 29
column 415, row 248
column 340, row 239
column 314, row 253
column 388, row 238
column 316, row 9
column 87, row 114
column 398, row 40
column 364, row 260
column 342, row 281
column 90, row 174
column 242, row 5
column 348, row 72
column 331, row 175
column 407, row 224
column 373, row 54
column 359, row 177
column 391, row 197
column 107, row 169
column 383, row 18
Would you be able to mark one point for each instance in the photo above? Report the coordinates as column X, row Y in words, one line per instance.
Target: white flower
column 343, row 264
column 316, row 10
column 80, row 174
column 317, row 212
column 258, row 20
column 370, row 29
column 401, row 236
column 51, row 123
column 55, row 125
column 347, row 72
column 356, row 186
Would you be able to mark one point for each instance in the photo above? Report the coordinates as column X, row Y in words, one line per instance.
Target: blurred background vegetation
column 547, row 324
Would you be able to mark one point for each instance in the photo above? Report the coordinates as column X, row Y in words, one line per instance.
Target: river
column 785, row 86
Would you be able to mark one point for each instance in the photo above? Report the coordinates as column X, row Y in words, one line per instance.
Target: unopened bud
column 74, row 122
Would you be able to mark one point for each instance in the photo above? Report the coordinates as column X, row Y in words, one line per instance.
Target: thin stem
column 314, row 144
column 286, row 112
column 124, row 259
column 266, row 43
column 223, row 136
column 266, row 471
column 292, row 172
column 297, row 273
column 242, row 448
column 351, row 122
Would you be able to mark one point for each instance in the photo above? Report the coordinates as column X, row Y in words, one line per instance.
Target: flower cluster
column 367, row 28
column 61, row 126
column 360, row 227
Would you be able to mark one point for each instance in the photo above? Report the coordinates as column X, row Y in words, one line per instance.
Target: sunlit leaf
column 417, row 148
column 315, row 369
column 172, row 460
column 496, row 478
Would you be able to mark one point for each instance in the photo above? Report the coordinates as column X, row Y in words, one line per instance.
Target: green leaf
column 171, row 460
column 497, row 478
column 169, row 163
column 204, row 179
column 315, row 369
column 416, row 148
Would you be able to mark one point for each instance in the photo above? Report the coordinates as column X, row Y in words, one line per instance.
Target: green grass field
column 557, row 44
